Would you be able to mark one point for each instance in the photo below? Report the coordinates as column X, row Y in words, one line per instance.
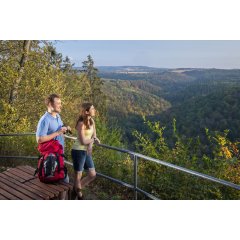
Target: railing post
column 135, row 176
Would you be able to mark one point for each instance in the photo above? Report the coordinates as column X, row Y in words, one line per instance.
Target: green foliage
column 126, row 97
column 93, row 82
column 46, row 72
column 204, row 102
column 197, row 98
column 127, row 101
column 109, row 162
column 167, row 183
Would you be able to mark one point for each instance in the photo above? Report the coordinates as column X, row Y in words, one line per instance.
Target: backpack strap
column 37, row 169
column 58, row 163
column 64, row 167
column 41, row 166
column 64, row 156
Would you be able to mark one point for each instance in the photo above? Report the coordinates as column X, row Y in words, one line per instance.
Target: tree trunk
column 24, row 58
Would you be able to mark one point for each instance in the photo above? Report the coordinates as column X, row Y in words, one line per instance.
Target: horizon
column 169, row 54
column 162, row 67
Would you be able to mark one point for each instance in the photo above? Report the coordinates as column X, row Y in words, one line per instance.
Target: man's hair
column 50, row 98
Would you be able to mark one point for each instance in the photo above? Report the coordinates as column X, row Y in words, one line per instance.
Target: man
column 50, row 125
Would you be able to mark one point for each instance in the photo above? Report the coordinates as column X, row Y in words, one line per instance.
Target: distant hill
column 127, row 69
column 127, row 101
column 130, row 69
column 197, row 98
column 136, row 97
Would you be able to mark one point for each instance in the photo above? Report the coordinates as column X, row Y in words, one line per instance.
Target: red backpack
column 51, row 162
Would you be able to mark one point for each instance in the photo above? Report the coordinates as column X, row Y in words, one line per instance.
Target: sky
column 224, row 54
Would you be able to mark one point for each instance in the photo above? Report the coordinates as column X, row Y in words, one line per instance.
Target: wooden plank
column 44, row 191
column 45, row 186
column 49, row 185
column 17, row 178
column 18, row 174
column 39, row 193
column 62, row 185
column 20, row 187
column 53, row 185
column 17, row 188
column 13, row 191
column 26, row 170
column 23, row 174
column 8, row 195
column 56, row 186
column 29, row 170
column 69, row 185
column 2, row 197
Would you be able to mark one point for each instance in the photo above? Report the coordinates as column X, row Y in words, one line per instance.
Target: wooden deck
column 19, row 183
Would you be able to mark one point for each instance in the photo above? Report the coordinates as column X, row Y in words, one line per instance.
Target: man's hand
column 69, row 130
column 62, row 130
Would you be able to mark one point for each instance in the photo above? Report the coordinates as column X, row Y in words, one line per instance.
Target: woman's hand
column 89, row 149
column 69, row 130
column 96, row 140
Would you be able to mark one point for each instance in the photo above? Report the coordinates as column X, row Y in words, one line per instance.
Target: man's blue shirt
column 49, row 124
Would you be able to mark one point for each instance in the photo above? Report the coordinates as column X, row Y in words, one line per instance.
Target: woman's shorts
column 81, row 161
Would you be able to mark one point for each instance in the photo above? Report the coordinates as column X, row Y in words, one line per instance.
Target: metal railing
column 134, row 157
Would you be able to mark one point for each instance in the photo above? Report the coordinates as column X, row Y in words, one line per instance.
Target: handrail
column 98, row 174
column 135, row 156
column 139, row 155
column 17, row 134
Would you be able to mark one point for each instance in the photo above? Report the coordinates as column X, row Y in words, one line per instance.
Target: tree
column 24, row 58
column 223, row 163
column 26, row 82
column 94, row 85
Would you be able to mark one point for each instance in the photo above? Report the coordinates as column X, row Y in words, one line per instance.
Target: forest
column 188, row 117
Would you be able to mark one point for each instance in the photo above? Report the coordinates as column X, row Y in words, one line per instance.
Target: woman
column 82, row 148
